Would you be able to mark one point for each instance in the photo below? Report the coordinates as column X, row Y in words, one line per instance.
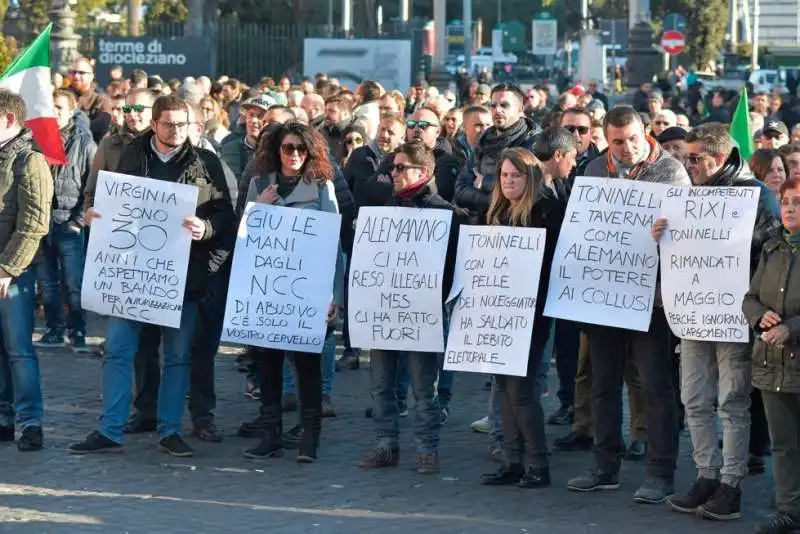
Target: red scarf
column 411, row 191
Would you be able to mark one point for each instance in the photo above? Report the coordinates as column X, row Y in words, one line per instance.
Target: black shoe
column 208, row 432
column 291, row 438
column 780, row 523
column 594, row 481
column 756, row 465
column 562, row 416
column 175, row 446
column 270, row 446
column 138, row 424
column 700, row 492
column 252, row 429
column 95, row 443
column 535, row 478
column 505, row 476
column 636, row 451
column 724, row 505
column 574, row 442
column 31, row 439
column 6, row 433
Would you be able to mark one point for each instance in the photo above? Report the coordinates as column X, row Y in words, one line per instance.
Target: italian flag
column 29, row 76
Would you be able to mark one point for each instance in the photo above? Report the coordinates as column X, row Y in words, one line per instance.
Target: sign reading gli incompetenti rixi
column 169, row 57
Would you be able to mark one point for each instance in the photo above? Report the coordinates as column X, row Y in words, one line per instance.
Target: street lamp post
column 63, row 39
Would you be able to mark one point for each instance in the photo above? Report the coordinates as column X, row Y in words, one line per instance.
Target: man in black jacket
column 165, row 153
column 415, row 187
column 511, row 128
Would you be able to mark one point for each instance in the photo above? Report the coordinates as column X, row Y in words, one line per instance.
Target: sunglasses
column 138, row 108
column 583, row 130
column 289, row 149
column 402, row 167
column 355, row 140
column 504, row 105
column 422, row 125
column 694, row 159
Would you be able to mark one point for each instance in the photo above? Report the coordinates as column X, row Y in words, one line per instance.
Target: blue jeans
column 20, row 381
column 328, row 368
column 122, row 342
column 63, row 257
column 444, row 385
column 422, row 369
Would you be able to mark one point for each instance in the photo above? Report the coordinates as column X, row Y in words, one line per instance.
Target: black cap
column 774, row 126
column 673, row 133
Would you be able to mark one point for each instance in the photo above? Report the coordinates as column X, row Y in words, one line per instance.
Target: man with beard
column 63, row 248
column 633, row 156
column 82, row 84
column 579, row 123
column 511, row 128
column 338, row 116
column 165, row 153
column 237, row 150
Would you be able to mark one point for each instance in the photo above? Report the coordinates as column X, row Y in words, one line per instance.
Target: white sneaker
column 481, row 425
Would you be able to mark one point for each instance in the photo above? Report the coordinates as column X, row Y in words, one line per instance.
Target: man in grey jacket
column 632, row 155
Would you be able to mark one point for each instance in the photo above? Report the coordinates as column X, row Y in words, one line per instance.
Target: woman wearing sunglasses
column 354, row 137
column 295, row 171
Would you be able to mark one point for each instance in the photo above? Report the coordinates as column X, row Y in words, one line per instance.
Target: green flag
column 740, row 127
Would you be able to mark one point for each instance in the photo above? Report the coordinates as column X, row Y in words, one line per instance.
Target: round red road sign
column 673, row 42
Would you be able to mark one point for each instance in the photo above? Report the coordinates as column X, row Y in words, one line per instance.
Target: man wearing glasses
column 81, row 76
column 165, row 153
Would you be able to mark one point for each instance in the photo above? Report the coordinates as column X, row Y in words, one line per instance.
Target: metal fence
column 250, row 51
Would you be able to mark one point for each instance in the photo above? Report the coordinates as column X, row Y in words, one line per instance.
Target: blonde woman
column 524, row 196
column 216, row 121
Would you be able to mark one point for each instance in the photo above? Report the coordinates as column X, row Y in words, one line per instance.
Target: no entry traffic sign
column 673, row 42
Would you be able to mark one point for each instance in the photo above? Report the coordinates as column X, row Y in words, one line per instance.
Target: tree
column 160, row 11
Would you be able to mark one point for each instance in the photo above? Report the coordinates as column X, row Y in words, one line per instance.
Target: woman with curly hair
column 294, row 171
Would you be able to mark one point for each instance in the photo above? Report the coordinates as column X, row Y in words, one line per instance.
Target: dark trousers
column 308, row 376
column 783, row 414
column 346, row 323
column 759, row 429
column 567, row 344
column 524, row 438
column 609, row 350
column 202, row 393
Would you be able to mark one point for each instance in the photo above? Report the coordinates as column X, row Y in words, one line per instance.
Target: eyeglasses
column 355, row 140
column 694, row 159
column 79, row 72
column 289, row 149
column 138, row 108
column 174, row 125
column 422, row 125
column 504, row 105
column 402, row 167
column 582, row 130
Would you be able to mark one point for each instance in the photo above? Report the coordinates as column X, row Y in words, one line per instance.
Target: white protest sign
column 281, row 281
column 606, row 262
column 138, row 252
column 395, row 286
column 497, row 273
column 705, row 261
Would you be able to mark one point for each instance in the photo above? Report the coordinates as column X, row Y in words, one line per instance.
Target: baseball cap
column 261, row 102
column 774, row 126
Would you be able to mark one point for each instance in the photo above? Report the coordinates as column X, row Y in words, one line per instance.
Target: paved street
column 146, row 491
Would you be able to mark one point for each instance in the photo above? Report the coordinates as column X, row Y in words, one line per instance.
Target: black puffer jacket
column 736, row 173
column 522, row 134
column 69, row 181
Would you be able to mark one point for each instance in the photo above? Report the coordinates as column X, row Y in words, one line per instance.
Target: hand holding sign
column 658, row 228
column 196, row 225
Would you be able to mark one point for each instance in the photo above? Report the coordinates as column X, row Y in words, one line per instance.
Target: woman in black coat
column 523, row 196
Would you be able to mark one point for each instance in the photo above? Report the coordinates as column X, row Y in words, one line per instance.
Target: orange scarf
column 633, row 174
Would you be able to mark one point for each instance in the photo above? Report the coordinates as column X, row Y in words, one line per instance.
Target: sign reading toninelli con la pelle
column 166, row 56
